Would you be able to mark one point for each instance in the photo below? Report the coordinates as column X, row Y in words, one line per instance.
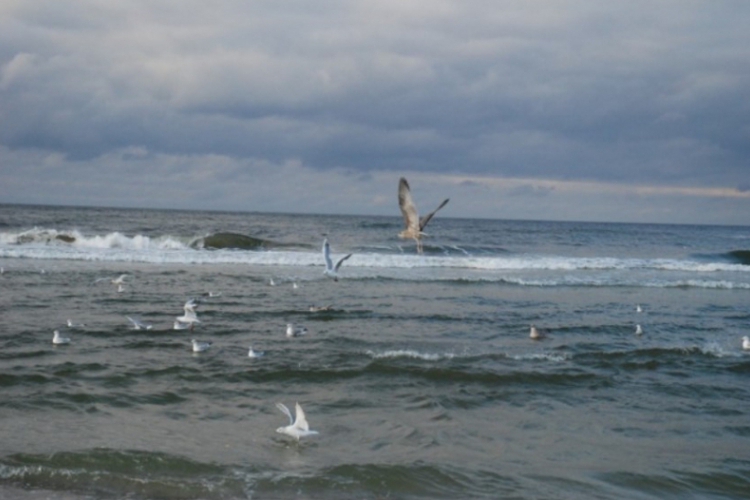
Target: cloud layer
column 569, row 104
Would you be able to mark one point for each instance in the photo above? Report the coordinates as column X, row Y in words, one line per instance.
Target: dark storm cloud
column 619, row 92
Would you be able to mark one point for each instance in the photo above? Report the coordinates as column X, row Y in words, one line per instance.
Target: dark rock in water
column 66, row 238
column 235, row 241
column 740, row 257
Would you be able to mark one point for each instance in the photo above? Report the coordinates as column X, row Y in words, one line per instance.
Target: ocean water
column 421, row 379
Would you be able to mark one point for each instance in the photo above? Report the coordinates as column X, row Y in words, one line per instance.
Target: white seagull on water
column 200, row 346
column 413, row 225
column 59, row 339
column 535, row 334
column 74, row 325
column 746, row 343
column 293, row 330
column 298, row 427
column 254, row 354
column 638, row 330
column 331, row 270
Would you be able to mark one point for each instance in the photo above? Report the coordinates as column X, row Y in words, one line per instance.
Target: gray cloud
column 633, row 92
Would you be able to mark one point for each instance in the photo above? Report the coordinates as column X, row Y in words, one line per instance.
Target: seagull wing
column 407, row 206
column 341, row 261
column 190, row 306
column 327, row 254
column 285, row 411
column 301, row 422
column 135, row 322
column 427, row 217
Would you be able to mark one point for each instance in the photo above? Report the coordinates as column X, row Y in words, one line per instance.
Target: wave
column 235, row 248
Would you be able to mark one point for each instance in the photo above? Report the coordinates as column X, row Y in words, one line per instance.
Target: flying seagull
column 413, row 225
column 298, row 427
column 189, row 317
column 331, row 270
column 138, row 324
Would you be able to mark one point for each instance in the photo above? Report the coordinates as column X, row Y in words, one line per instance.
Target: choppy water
column 422, row 380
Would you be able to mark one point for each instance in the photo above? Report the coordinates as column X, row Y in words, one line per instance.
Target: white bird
column 638, row 330
column 254, row 354
column 535, row 334
column 413, row 226
column 180, row 326
column 293, row 330
column 74, row 325
column 271, row 282
column 331, row 270
column 59, row 339
column 212, row 294
column 200, row 346
column 120, row 288
column 638, row 308
column 138, row 324
column 746, row 343
column 190, row 317
column 298, row 427
column 119, row 280
column 314, row 309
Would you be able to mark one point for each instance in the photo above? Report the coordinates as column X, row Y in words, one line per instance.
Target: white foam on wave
column 540, row 356
column 409, row 353
column 522, row 270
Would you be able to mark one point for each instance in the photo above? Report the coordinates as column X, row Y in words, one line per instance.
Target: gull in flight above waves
column 413, row 225
column 331, row 270
column 293, row 330
column 59, row 339
column 138, row 324
column 200, row 346
column 746, row 343
column 298, row 427
column 190, row 317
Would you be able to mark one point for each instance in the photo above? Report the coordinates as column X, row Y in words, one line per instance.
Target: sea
column 417, row 370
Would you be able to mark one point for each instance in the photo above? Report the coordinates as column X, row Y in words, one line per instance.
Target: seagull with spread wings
column 413, row 225
column 298, row 426
column 331, row 270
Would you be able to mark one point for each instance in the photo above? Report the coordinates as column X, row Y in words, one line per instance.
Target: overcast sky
column 633, row 111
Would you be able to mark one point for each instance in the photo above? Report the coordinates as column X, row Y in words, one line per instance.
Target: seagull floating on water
column 138, row 324
column 59, row 339
column 314, row 309
column 200, row 346
column 298, row 426
column 254, row 354
column 74, row 325
column 189, row 317
column 413, row 226
column 638, row 308
column 746, row 343
column 331, row 270
column 293, row 330
column 535, row 334
column 638, row 330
